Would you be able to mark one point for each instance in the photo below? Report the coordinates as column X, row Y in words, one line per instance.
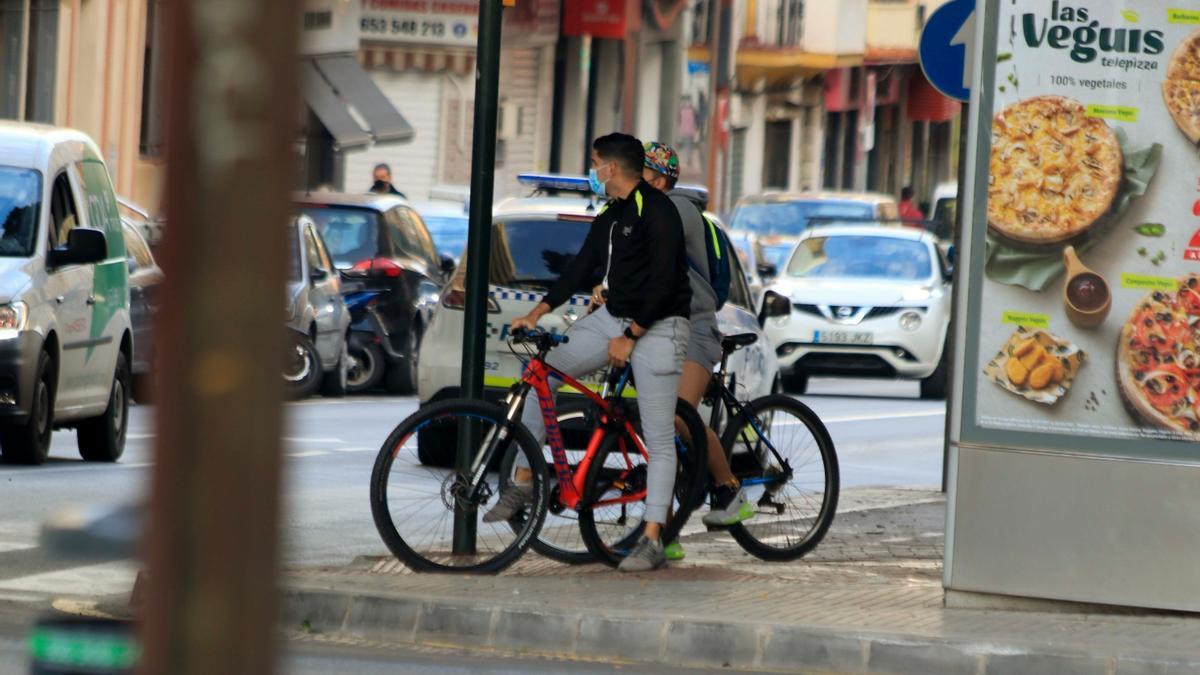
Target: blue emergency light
column 550, row 181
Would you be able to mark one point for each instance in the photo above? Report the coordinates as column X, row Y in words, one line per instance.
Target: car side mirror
column 318, row 275
column 448, row 265
column 774, row 305
column 767, row 270
column 84, row 247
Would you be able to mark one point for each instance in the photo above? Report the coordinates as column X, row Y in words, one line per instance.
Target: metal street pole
column 483, row 171
column 960, row 221
column 213, row 542
column 719, row 39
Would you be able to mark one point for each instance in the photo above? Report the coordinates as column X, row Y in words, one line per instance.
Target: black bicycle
column 781, row 453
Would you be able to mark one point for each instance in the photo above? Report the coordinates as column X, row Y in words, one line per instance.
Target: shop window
column 150, row 143
column 778, row 153
column 32, row 52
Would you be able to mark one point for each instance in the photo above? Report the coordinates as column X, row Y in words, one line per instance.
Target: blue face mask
column 595, row 184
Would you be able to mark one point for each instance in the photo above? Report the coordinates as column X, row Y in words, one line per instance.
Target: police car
column 533, row 239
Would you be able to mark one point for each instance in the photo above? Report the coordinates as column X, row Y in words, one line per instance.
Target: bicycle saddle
column 732, row 343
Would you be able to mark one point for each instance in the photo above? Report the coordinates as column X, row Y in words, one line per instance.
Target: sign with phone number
column 420, row 28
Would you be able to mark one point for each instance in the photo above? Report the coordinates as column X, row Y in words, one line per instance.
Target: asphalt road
column 884, row 436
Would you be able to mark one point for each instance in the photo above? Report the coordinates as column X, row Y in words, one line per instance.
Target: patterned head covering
column 663, row 159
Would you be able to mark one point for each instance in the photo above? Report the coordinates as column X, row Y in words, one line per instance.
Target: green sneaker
column 738, row 509
column 674, row 551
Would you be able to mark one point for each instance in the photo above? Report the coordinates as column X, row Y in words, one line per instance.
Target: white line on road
column 140, row 437
column 306, row 439
column 308, row 453
column 895, row 416
column 355, row 449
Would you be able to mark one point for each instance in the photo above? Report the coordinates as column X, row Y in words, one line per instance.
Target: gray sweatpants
column 657, row 360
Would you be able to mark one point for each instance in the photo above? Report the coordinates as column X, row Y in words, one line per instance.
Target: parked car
column 383, row 241
column 145, row 278
column 318, row 321
column 867, row 301
column 66, row 342
column 945, row 210
column 447, row 224
column 533, row 239
column 773, row 222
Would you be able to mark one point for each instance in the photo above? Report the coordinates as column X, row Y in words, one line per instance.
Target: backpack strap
column 712, row 232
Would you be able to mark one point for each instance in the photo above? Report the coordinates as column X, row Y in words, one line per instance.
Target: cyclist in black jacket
column 637, row 238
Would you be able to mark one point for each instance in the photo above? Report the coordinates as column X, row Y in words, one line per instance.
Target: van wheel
column 102, row 439
column 29, row 443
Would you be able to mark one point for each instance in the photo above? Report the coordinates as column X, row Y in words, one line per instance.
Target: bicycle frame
column 734, row 406
column 537, row 377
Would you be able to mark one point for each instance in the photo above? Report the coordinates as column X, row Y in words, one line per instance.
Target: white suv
column 867, row 301
column 65, row 338
column 533, row 239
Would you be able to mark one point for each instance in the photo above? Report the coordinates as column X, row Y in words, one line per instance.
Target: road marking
column 308, row 453
column 89, row 580
column 895, row 416
column 355, row 449
column 306, row 439
column 140, row 437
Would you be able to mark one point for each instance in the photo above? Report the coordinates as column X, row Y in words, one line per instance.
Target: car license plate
column 843, row 337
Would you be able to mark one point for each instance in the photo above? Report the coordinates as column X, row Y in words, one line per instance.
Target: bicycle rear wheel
column 414, row 505
column 559, row 538
column 783, row 456
column 614, row 500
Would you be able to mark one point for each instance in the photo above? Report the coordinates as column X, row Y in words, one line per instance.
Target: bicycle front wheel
column 614, row 500
column 559, row 537
column 783, row 456
column 414, row 505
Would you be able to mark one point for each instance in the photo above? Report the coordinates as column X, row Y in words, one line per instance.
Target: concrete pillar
column 649, row 91
column 752, row 170
column 574, row 116
column 608, row 86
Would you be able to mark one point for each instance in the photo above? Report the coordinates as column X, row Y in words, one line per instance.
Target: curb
column 399, row 619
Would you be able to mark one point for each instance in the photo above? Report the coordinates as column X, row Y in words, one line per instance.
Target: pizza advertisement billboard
column 1081, row 275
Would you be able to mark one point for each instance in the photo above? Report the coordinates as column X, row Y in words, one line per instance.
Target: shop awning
column 349, row 104
column 926, row 104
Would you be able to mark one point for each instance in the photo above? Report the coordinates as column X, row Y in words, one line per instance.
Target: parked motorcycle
column 367, row 360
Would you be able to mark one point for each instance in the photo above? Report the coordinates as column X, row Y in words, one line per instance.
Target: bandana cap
column 662, row 159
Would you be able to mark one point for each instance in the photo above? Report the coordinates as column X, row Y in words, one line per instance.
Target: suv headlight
column 910, row 321
column 13, row 319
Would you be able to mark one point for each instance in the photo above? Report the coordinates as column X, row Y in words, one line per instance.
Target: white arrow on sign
column 965, row 36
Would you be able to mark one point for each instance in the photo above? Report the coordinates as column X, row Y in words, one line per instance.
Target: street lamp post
column 483, row 171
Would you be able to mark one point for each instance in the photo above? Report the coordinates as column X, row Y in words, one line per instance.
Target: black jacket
column 647, row 279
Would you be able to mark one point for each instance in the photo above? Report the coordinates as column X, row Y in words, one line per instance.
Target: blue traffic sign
column 946, row 48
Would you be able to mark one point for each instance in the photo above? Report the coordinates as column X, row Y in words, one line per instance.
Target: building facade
column 824, row 95
column 94, row 65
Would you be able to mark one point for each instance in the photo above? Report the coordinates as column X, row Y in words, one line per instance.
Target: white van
column 65, row 337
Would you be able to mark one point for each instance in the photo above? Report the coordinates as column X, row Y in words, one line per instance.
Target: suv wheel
column 794, row 381
column 102, row 439
column 934, row 386
column 29, row 443
column 402, row 376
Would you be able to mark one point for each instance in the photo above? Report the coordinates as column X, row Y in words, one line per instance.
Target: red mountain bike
column 414, row 505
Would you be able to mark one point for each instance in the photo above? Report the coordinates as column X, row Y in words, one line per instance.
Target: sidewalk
column 868, row 600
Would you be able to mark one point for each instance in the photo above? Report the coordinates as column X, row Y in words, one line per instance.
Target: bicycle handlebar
column 544, row 340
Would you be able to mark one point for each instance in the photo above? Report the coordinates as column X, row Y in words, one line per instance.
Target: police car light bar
column 549, row 181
